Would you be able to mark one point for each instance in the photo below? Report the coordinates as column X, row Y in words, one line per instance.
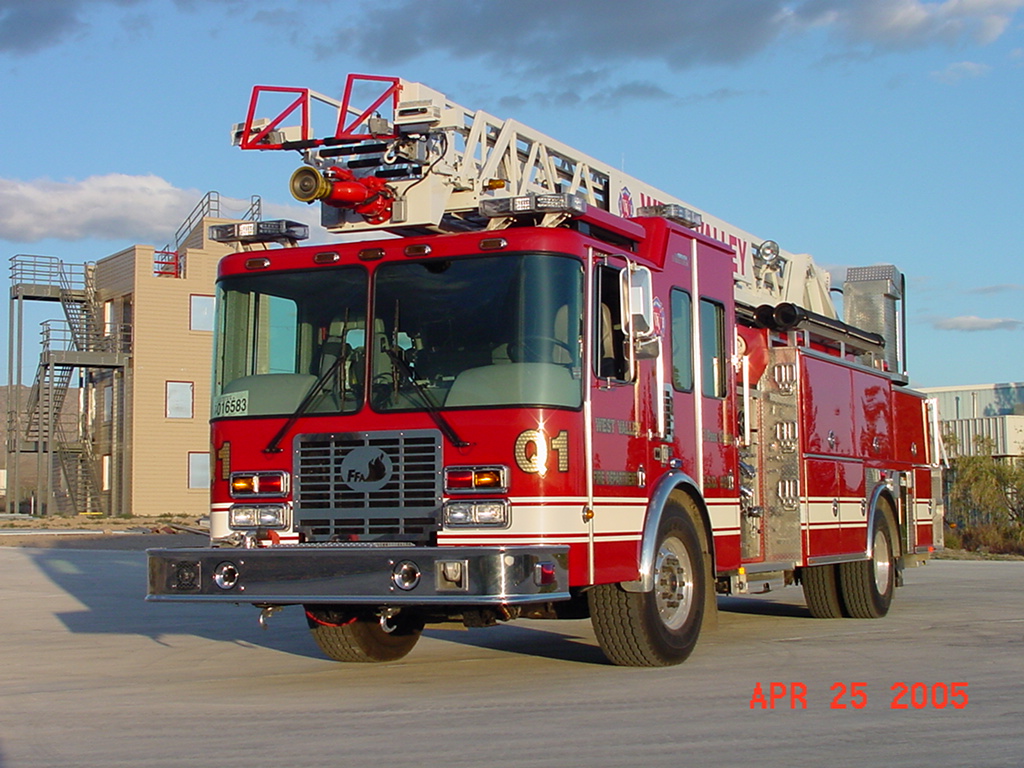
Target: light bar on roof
column 560, row 202
column 270, row 231
column 673, row 212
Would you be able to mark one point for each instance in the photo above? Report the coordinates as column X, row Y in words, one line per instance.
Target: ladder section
column 408, row 160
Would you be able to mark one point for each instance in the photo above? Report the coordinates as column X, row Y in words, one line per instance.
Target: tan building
column 162, row 408
column 138, row 330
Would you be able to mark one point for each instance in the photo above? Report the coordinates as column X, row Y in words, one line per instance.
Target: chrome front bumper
column 360, row 574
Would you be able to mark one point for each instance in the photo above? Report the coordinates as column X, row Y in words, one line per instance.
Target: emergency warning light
column 673, row 212
column 562, row 202
column 271, row 231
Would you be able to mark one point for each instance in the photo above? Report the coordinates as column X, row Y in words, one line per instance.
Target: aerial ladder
column 412, row 161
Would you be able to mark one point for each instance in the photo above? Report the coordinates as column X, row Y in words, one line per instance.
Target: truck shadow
column 110, row 585
column 756, row 606
column 525, row 640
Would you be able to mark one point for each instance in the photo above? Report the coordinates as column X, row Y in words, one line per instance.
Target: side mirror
column 638, row 304
column 638, row 301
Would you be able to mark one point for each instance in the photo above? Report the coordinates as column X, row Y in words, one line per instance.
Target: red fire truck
column 543, row 390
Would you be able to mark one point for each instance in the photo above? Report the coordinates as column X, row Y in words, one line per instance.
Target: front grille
column 362, row 528
column 373, row 485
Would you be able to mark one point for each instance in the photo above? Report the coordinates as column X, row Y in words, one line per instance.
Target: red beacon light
column 368, row 196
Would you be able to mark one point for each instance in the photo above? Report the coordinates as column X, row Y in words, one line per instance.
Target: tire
column 821, row 591
column 867, row 585
column 345, row 635
column 661, row 627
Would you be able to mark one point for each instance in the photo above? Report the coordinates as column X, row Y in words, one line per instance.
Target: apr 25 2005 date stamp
column 901, row 695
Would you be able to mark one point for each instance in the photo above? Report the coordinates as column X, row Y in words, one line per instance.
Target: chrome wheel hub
column 882, row 561
column 673, row 586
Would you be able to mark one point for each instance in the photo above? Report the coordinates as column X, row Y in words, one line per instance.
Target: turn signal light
column 475, row 479
column 251, row 484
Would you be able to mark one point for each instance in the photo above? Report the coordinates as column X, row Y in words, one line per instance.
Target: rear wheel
column 660, row 627
column 346, row 635
column 821, row 591
column 867, row 585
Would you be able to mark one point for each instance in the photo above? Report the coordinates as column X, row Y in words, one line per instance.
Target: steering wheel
column 532, row 348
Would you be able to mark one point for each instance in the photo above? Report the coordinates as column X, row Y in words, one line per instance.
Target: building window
column 179, row 400
column 201, row 314
column 108, row 404
column 199, row 470
column 105, row 472
column 108, row 317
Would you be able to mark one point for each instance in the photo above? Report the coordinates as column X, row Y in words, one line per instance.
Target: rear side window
column 712, row 348
column 682, row 340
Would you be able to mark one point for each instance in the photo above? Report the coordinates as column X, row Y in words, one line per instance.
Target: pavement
column 114, row 533
column 97, row 677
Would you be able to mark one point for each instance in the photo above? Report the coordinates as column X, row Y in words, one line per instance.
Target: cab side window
column 609, row 340
column 712, row 348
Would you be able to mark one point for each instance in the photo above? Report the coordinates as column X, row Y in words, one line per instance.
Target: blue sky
column 860, row 131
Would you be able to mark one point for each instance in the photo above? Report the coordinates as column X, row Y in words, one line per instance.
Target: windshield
column 485, row 331
column 280, row 334
column 490, row 331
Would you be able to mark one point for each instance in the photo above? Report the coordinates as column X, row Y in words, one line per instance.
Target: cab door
column 717, row 428
column 618, row 471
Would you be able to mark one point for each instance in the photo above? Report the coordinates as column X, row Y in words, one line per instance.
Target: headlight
column 250, row 516
column 488, row 513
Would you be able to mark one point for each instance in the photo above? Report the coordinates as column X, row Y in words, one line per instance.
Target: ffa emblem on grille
column 366, row 469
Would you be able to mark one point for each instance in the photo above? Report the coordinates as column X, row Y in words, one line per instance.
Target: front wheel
column 345, row 635
column 657, row 628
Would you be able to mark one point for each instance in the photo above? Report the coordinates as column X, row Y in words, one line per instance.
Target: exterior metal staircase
column 82, row 340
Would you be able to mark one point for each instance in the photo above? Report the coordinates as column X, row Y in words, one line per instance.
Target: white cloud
column 906, row 24
column 972, row 323
column 114, row 206
column 961, row 70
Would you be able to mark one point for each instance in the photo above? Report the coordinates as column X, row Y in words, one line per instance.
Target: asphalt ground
column 87, row 539
column 92, row 675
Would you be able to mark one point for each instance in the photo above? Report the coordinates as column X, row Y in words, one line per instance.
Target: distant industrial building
column 992, row 412
column 136, row 333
